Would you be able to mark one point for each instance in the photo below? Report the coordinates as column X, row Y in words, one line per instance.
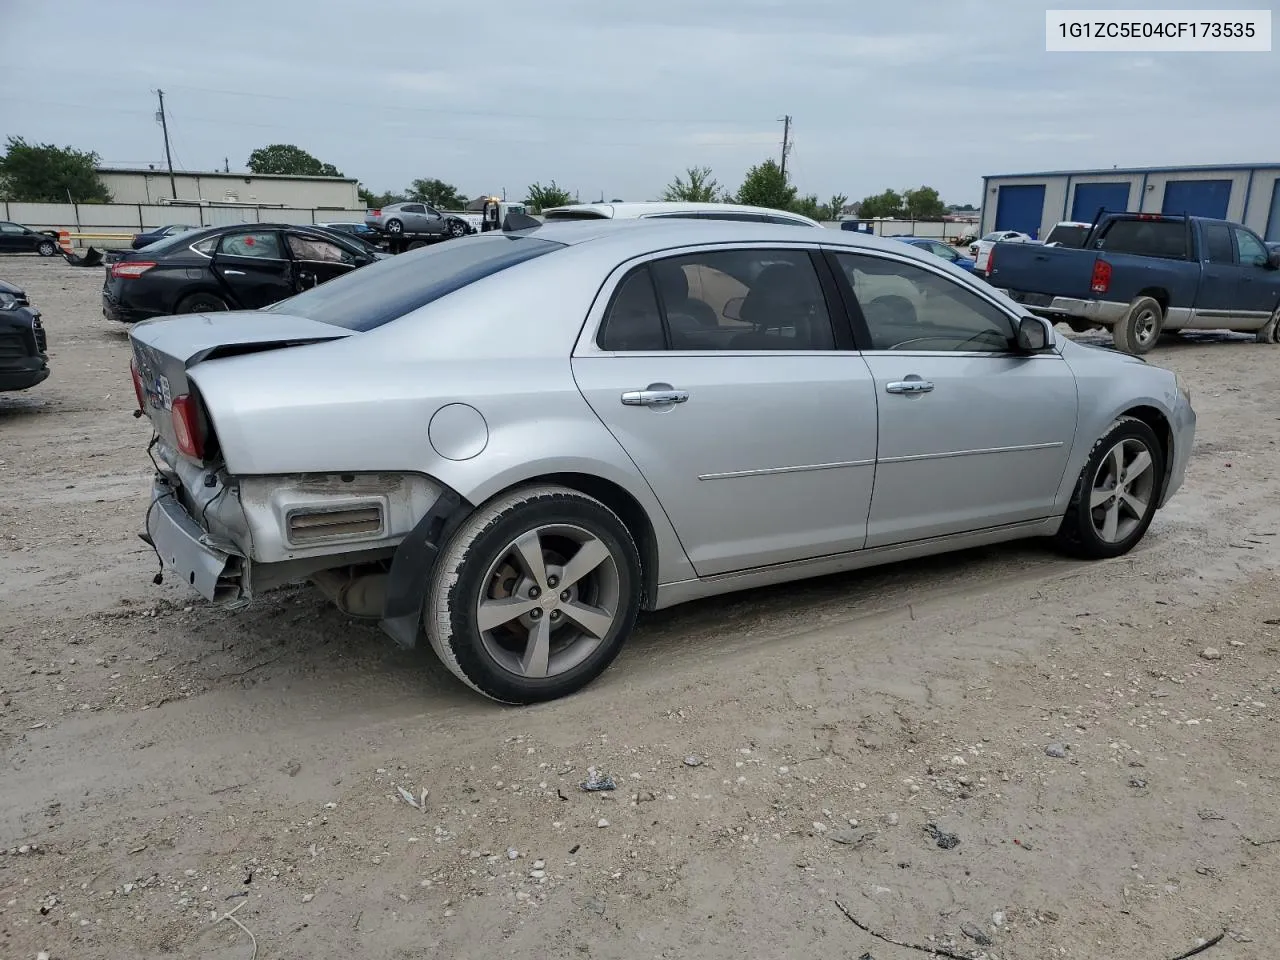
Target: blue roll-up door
column 1197, row 198
column 1273, row 218
column 1112, row 197
column 1020, row 208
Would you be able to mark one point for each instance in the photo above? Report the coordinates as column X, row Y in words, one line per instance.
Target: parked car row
column 675, row 362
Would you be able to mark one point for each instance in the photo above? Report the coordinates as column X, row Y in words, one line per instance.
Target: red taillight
column 1101, row 281
column 137, row 385
column 130, row 269
column 186, row 427
column 991, row 258
column 375, row 213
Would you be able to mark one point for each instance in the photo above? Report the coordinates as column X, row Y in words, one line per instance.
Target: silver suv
column 411, row 217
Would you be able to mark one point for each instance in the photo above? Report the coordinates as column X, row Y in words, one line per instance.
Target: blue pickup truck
column 1141, row 274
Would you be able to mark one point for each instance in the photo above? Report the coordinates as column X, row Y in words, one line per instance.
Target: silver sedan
column 514, row 443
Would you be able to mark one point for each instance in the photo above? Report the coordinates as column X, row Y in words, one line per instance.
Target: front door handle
column 909, row 386
column 653, row 398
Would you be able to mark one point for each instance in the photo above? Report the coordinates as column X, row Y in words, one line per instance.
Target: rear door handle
column 909, row 386
column 233, row 273
column 653, row 398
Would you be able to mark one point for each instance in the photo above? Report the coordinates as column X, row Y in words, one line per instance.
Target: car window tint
column 1149, row 238
column 1217, row 243
column 785, row 221
column 633, row 321
column 384, row 291
column 413, row 208
column 743, row 300
column 261, row 244
column 11, row 228
column 310, row 248
column 1252, row 253
column 909, row 308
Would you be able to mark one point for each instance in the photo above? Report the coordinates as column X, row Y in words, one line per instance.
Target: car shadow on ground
column 294, row 637
column 14, row 406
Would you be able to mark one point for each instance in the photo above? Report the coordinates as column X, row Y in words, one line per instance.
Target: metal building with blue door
column 1033, row 202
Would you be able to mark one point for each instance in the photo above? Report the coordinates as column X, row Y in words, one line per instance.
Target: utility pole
column 226, row 164
column 786, row 144
column 168, row 157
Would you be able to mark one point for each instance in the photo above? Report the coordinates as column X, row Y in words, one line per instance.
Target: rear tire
column 47, row 248
column 395, row 228
column 1116, row 495
column 201, row 303
column 1139, row 329
column 524, row 553
column 416, row 245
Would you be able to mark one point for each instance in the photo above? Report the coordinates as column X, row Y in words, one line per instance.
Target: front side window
column 729, row 300
column 1252, row 253
column 907, row 307
column 262, row 245
column 11, row 228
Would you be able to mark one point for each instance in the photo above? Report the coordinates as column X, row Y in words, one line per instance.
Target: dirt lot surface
column 1111, row 783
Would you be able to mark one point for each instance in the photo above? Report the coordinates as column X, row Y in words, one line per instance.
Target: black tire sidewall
column 1083, row 533
column 465, row 641
column 214, row 304
column 47, row 248
column 1125, row 333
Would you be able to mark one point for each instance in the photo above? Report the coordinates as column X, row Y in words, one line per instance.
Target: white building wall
column 1146, row 193
column 128, row 186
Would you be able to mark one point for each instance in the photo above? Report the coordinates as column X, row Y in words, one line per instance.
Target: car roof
column 659, row 207
column 647, row 236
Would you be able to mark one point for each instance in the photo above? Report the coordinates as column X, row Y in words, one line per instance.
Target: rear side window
column 1148, row 238
column 1068, row 236
column 1217, row 243
column 634, row 322
column 384, row 291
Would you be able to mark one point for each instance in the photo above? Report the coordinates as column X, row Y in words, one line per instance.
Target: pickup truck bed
column 1141, row 274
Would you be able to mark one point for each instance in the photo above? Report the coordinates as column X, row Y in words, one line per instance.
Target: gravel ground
column 998, row 753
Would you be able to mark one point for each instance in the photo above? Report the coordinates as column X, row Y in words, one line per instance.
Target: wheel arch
column 1155, row 418
column 1157, row 293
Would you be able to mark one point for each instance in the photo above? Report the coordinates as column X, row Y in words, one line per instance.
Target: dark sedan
column 240, row 267
column 148, row 237
column 15, row 238
column 23, row 361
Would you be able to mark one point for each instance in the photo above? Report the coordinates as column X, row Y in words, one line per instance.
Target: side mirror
column 1034, row 334
column 1273, row 260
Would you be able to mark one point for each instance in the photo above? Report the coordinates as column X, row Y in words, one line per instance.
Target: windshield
column 384, row 291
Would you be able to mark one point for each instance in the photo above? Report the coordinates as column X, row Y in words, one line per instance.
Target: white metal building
column 1033, row 202
column 148, row 185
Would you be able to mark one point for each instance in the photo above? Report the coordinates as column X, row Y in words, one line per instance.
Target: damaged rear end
column 232, row 536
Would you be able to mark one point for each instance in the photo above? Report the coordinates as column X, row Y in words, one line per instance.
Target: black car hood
column 10, row 289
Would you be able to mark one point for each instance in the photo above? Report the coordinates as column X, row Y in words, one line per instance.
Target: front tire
column 47, row 248
column 534, row 595
column 457, row 229
column 1139, row 329
column 1116, row 496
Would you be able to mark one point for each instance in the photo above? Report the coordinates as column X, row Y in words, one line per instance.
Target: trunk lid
column 165, row 348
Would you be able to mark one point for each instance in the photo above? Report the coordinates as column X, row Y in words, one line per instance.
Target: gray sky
column 613, row 97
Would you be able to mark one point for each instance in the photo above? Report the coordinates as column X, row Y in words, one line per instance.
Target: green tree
column 45, row 173
column 701, row 187
column 541, row 198
column 808, row 206
column 923, row 204
column 375, row 200
column 836, row 205
column 887, row 204
column 765, row 185
column 439, row 194
column 288, row 160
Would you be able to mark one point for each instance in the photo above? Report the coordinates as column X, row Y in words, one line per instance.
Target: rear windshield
column 1068, row 236
column 574, row 215
column 370, row 296
column 1148, row 238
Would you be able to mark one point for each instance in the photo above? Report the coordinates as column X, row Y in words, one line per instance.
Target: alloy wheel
column 548, row 601
column 1122, row 490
